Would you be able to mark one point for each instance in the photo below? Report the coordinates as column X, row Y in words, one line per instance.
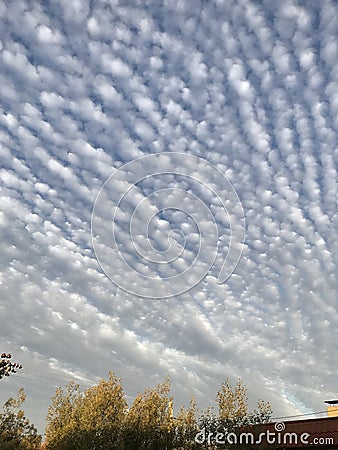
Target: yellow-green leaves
column 89, row 420
column 150, row 422
column 186, row 426
column 232, row 402
column 100, row 419
column 63, row 419
column 16, row 432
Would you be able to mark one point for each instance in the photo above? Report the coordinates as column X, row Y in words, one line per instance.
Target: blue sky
column 249, row 88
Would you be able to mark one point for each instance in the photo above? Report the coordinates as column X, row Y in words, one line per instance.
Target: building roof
column 316, row 434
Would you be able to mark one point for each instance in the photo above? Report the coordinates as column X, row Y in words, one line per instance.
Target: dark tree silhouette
column 7, row 366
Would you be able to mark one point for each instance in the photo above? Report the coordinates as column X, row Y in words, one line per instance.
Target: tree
column 93, row 420
column 99, row 418
column 233, row 411
column 233, row 406
column 149, row 423
column 186, row 427
column 63, row 418
column 209, row 425
column 103, row 413
column 232, row 402
column 6, row 366
column 16, row 432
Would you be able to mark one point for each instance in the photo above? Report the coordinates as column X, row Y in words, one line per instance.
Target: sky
column 168, row 198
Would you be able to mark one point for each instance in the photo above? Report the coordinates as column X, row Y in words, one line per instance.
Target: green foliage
column 99, row 418
column 233, row 406
column 233, row 412
column 87, row 421
column 103, row 411
column 232, row 402
column 16, row 432
column 63, row 418
column 149, row 424
column 186, row 427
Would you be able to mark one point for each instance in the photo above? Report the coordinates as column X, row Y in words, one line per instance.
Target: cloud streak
column 252, row 89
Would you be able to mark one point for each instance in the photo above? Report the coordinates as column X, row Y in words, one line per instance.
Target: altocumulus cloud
column 251, row 87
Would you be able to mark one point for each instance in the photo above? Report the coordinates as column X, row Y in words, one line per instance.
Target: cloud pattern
column 252, row 88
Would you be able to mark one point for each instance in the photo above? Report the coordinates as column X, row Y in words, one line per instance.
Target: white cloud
column 249, row 87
